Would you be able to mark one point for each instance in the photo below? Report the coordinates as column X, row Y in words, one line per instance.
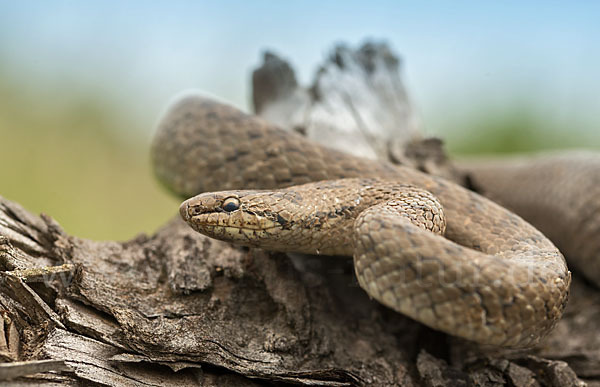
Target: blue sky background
column 459, row 56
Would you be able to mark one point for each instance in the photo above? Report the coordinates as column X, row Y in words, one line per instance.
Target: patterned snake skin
column 490, row 277
column 558, row 193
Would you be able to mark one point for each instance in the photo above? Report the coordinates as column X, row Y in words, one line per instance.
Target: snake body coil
column 490, row 277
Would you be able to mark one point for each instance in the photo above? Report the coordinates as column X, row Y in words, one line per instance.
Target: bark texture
column 177, row 308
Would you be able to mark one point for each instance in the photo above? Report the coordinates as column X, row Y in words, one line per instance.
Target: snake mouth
column 213, row 226
column 240, row 234
column 212, row 221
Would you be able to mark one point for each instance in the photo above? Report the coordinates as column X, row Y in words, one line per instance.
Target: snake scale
column 557, row 193
column 422, row 245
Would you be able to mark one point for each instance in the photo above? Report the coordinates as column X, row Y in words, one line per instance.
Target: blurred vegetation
column 75, row 155
column 515, row 129
column 61, row 153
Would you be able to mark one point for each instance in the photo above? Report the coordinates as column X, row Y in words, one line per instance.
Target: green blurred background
column 82, row 85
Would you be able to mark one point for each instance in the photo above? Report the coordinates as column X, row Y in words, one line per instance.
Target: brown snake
column 489, row 277
column 557, row 193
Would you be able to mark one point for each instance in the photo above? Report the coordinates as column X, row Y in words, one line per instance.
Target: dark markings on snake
column 254, row 134
column 281, row 220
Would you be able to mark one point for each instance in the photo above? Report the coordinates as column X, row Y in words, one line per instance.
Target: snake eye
column 231, row 204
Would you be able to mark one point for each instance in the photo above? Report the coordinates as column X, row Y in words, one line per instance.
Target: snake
column 423, row 246
column 557, row 192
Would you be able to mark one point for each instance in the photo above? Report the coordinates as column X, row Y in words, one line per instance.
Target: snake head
column 233, row 216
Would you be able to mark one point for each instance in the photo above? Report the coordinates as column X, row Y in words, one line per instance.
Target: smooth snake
column 422, row 245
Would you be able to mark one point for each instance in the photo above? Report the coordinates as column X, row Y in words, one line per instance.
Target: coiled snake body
column 423, row 246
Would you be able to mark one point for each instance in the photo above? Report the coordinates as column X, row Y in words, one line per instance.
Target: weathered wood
column 357, row 103
column 245, row 311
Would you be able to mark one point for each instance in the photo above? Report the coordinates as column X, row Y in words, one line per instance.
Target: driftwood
column 177, row 308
